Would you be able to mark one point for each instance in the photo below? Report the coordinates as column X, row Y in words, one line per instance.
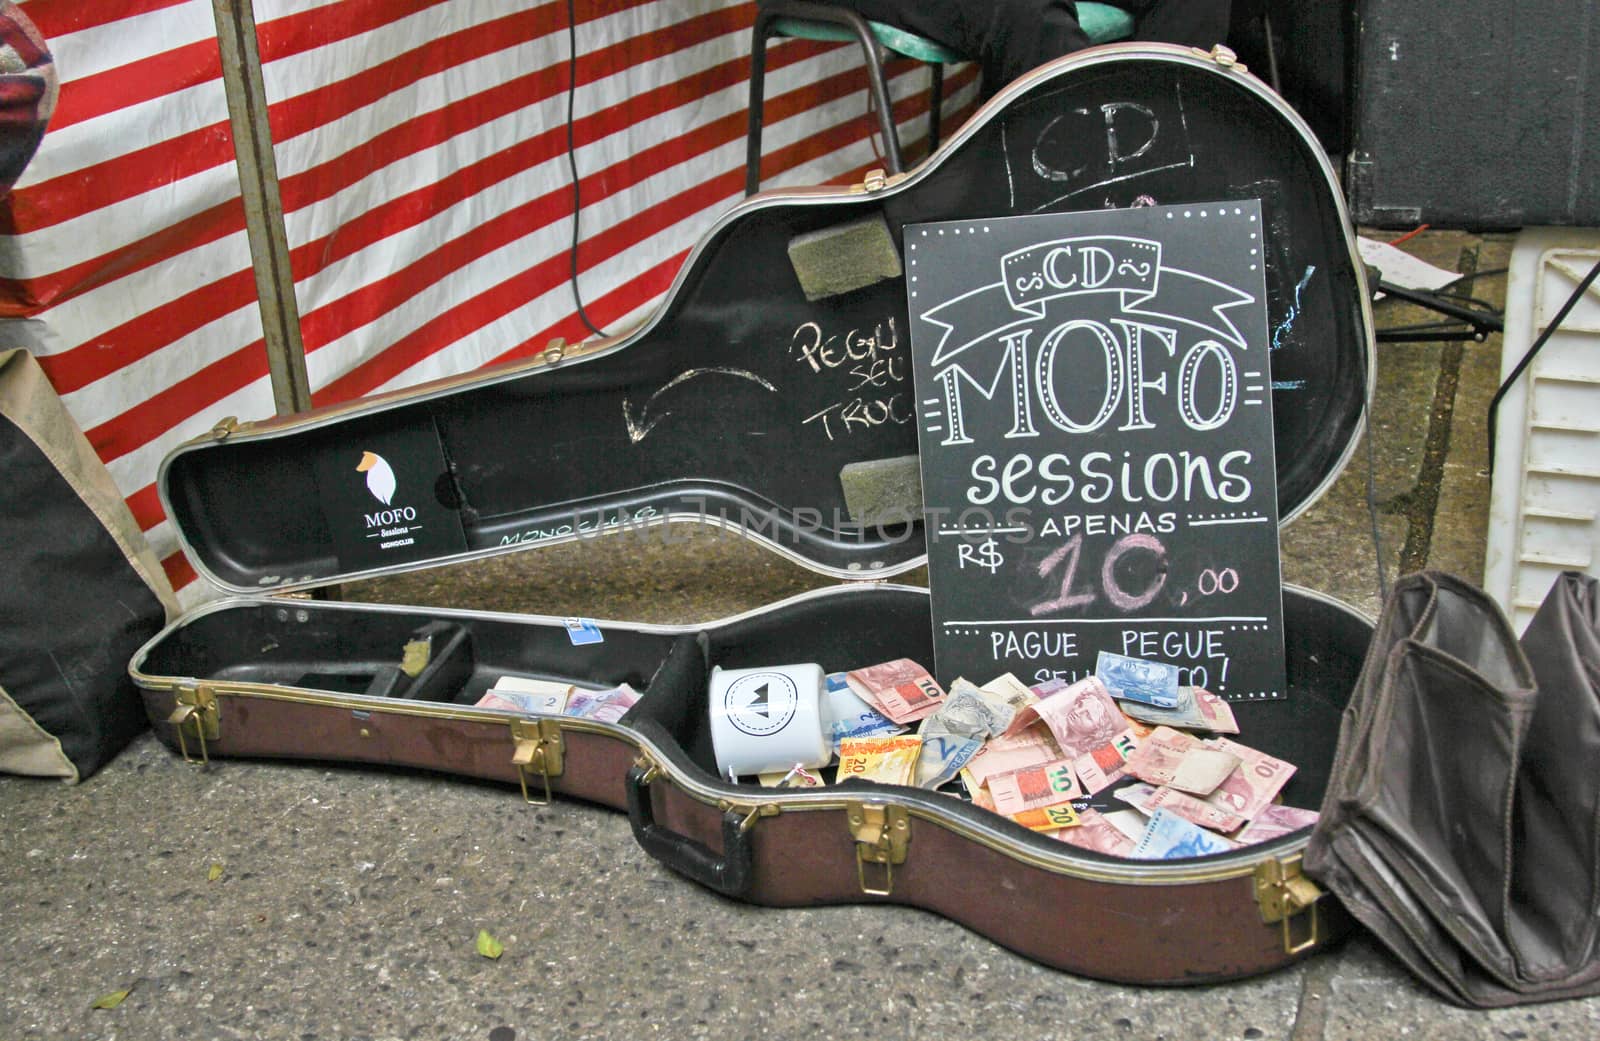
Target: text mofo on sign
column 1094, row 411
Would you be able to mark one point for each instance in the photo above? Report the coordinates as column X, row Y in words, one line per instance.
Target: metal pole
column 263, row 205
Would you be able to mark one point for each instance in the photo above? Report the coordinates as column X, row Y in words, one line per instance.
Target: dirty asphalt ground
column 349, row 899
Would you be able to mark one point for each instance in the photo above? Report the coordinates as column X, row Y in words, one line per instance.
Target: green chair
column 1102, row 23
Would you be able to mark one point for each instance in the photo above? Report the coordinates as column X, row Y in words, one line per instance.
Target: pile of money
column 521, row 694
column 1125, row 762
column 900, row 690
column 546, row 698
column 607, row 706
column 850, row 715
column 887, row 760
column 867, row 712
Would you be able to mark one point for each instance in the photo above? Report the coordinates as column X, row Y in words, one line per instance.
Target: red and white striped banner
column 421, row 149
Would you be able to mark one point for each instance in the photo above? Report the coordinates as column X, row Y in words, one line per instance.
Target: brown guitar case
column 771, row 393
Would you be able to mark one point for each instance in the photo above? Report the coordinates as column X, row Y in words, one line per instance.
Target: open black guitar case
column 771, row 392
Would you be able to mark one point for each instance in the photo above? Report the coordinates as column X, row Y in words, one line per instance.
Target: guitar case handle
column 728, row 873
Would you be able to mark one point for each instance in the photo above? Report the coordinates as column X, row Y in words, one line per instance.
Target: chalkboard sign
column 1095, row 423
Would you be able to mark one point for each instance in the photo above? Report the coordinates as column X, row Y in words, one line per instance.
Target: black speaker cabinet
column 1476, row 114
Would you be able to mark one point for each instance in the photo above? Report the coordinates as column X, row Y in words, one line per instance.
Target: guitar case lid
column 771, row 392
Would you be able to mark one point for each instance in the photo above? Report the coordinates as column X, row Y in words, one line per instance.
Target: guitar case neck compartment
column 771, row 393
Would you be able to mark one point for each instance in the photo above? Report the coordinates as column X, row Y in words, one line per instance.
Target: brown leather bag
column 1460, row 823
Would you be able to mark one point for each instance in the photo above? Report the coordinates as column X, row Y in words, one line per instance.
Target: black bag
column 1460, row 823
column 83, row 589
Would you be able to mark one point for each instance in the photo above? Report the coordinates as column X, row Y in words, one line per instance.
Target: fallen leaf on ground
column 111, row 1000
column 488, row 946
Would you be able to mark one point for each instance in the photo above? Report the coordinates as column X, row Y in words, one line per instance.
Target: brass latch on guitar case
column 877, row 181
column 1283, row 893
column 882, row 833
column 196, row 713
column 538, row 751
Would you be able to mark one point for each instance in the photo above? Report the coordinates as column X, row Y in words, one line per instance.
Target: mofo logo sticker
column 761, row 704
column 380, row 476
column 381, row 483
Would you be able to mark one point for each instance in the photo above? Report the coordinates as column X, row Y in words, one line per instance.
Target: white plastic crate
column 1544, row 512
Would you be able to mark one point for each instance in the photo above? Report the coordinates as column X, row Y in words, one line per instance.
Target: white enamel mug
column 768, row 719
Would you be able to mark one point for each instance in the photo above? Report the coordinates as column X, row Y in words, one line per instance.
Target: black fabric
column 1462, row 821
column 1310, row 44
column 72, row 610
column 1009, row 37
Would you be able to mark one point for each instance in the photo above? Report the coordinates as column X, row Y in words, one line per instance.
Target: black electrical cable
column 1469, row 317
column 1549, row 330
column 1451, row 290
column 572, row 162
